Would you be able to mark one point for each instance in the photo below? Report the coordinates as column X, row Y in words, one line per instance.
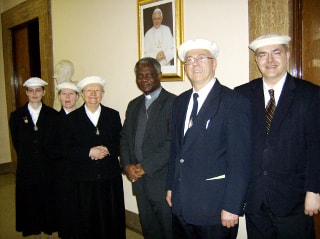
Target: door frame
column 18, row 15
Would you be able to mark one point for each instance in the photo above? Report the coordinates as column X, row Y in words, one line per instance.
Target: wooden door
column 21, row 64
column 311, row 41
column 310, row 49
column 35, row 15
column 26, row 58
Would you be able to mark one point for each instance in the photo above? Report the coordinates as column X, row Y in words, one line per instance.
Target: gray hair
column 148, row 60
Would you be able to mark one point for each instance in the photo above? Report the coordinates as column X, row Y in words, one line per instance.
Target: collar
column 277, row 89
column 32, row 110
column 154, row 94
column 203, row 93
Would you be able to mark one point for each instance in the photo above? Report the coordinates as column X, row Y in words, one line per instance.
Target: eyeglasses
column 264, row 55
column 201, row 59
column 89, row 91
column 32, row 91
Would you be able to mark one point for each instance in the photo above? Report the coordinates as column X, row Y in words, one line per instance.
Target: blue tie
column 194, row 109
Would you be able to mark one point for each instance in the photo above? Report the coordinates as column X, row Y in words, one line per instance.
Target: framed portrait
column 160, row 32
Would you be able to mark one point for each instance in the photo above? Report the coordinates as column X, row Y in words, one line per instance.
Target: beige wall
column 100, row 38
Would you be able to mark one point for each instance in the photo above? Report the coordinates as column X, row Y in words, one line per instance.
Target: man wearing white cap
column 30, row 126
column 284, row 188
column 91, row 144
column 210, row 150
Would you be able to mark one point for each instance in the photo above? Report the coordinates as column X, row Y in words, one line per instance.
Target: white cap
column 34, row 81
column 90, row 80
column 198, row 44
column 67, row 85
column 269, row 39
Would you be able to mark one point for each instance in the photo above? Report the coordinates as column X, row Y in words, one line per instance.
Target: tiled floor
column 7, row 211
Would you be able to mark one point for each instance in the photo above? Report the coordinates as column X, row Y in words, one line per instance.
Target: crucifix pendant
column 97, row 131
column 35, row 128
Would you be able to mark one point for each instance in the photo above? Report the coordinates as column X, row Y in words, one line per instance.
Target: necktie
column 271, row 106
column 194, row 109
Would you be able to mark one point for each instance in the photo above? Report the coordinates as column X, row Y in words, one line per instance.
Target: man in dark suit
column 210, row 150
column 285, row 181
column 145, row 149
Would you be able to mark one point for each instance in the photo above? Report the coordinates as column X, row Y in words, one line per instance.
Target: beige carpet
column 7, row 211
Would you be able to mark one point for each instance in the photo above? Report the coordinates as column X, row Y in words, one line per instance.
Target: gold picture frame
column 153, row 40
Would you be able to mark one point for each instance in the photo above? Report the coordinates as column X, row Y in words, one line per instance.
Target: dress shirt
column 152, row 97
column 203, row 93
column 277, row 90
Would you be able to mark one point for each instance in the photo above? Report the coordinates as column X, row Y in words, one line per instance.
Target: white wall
column 100, row 37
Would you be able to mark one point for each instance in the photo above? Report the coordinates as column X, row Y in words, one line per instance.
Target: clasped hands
column 134, row 172
column 98, row 152
column 160, row 56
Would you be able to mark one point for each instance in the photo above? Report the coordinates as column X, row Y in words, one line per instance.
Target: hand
column 312, row 203
column 228, row 219
column 139, row 170
column 168, row 198
column 132, row 172
column 98, row 152
column 160, row 56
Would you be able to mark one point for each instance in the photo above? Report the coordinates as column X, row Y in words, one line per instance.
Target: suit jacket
column 155, row 146
column 80, row 135
column 34, row 163
column 286, row 162
column 209, row 166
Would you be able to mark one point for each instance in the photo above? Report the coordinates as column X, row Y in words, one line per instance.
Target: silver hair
column 148, row 60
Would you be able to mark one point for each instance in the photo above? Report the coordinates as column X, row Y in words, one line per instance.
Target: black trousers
column 265, row 225
column 155, row 216
column 184, row 230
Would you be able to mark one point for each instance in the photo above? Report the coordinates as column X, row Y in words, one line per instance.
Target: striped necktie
column 271, row 107
column 194, row 109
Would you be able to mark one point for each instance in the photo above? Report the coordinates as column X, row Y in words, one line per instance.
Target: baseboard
column 133, row 222
column 5, row 168
column 132, row 219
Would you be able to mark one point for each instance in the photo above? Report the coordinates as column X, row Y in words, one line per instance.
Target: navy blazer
column 156, row 143
column 287, row 161
column 209, row 166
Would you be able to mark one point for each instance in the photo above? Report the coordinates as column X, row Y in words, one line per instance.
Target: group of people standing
column 197, row 161
column 68, row 175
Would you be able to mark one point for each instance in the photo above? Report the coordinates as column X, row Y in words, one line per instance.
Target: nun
column 68, row 95
column 91, row 144
column 29, row 127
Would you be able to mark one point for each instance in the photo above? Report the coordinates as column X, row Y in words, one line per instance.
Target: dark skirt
column 65, row 197
column 100, row 211
column 35, row 209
